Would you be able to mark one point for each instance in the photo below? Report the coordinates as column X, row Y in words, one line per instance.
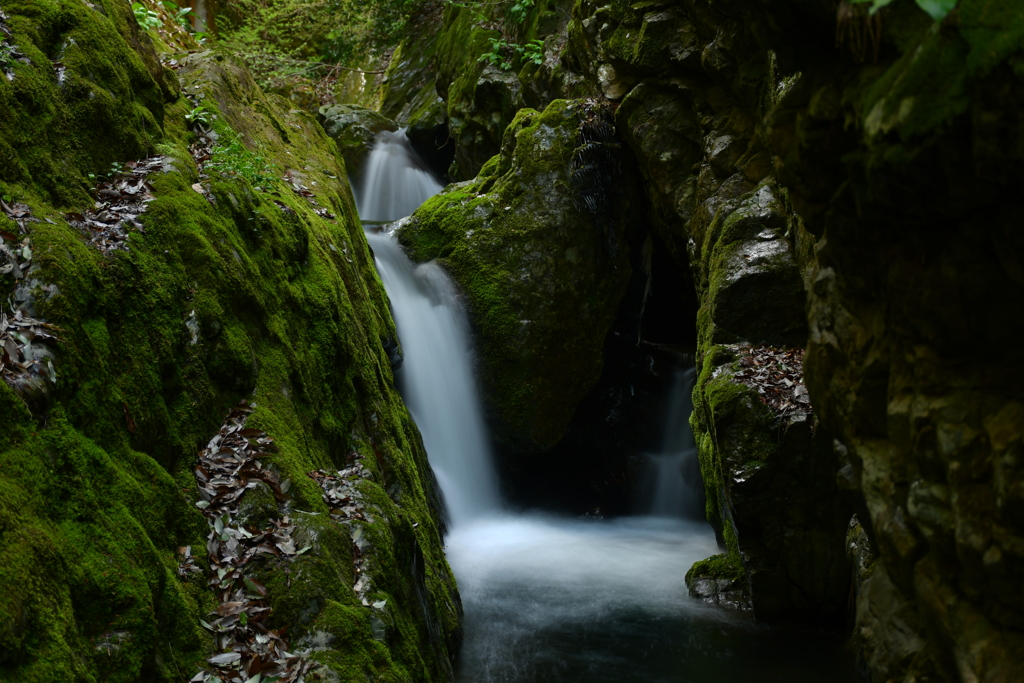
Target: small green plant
column 147, row 18
column 499, row 55
column 936, row 9
column 6, row 55
column 116, row 169
column 519, row 10
column 503, row 53
column 533, row 51
column 231, row 158
column 199, row 115
column 183, row 15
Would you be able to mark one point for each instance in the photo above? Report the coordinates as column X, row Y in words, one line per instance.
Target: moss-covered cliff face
column 235, row 283
column 541, row 281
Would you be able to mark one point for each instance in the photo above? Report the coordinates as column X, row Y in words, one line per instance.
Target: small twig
column 358, row 71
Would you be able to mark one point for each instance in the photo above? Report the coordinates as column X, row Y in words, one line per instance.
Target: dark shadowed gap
column 596, row 468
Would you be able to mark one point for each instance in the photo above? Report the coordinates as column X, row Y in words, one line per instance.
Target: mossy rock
column 541, row 287
column 755, row 291
column 721, row 580
column 751, row 458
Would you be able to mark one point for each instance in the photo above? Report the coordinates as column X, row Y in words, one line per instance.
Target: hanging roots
column 594, row 169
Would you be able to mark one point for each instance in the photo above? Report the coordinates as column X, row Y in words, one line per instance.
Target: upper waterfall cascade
column 396, row 181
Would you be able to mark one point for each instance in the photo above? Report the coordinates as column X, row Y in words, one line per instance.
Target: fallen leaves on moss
column 23, row 359
column 295, row 180
column 228, row 467
column 341, row 495
column 778, row 377
column 120, row 200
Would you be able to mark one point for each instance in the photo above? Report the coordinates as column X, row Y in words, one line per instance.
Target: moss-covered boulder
column 540, row 282
column 720, row 580
column 232, row 283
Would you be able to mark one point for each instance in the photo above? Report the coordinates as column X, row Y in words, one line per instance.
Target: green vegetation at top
column 503, row 54
column 294, row 41
column 936, row 9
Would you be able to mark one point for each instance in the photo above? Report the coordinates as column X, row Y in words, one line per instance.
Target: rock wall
column 174, row 241
column 902, row 173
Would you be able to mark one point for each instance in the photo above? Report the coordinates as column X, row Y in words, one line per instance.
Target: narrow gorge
column 529, row 341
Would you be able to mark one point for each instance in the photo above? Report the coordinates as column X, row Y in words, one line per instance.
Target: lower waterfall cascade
column 555, row 598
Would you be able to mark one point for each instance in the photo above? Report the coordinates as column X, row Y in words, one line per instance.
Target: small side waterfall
column 396, row 180
column 672, row 485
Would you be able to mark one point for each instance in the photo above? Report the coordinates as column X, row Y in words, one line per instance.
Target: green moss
column 348, row 629
column 81, row 568
column 637, row 42
column 96, row 491
column 108, row 108
column 725, row 567
column 925, row 90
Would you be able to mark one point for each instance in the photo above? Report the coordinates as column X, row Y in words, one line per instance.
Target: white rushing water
column 672, row 486
column 436, row 380
column 396, row 181
column 548, row 598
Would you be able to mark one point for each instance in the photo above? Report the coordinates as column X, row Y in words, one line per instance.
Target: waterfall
column 396, row 181
column 672, row 485
column 436, row 377
column 548, row 598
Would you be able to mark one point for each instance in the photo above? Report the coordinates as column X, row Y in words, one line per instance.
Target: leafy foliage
column 147, row 18
column 183, row 15
column 936, row 9
column 503, row 53
column 291, row 40
column 7, row 53
column 232, row 158
column 199, row 115
column 520, row 10
column 533, row 51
